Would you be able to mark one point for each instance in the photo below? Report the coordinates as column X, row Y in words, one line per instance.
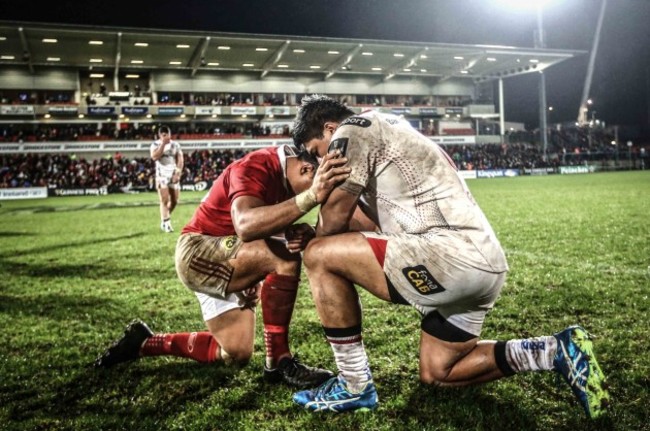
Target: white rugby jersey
column 167, row 163
column 408, row 184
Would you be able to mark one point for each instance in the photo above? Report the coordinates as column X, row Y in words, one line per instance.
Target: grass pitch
column 75, row 271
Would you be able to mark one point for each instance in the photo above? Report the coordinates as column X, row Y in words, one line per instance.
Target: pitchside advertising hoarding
column 23, row 193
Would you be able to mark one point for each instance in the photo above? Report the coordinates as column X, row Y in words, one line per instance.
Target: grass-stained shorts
column 202, row 262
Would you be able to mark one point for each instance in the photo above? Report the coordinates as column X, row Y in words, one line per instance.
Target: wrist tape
column 306, row 200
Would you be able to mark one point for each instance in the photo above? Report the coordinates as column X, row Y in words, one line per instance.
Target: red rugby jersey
column 260, row 173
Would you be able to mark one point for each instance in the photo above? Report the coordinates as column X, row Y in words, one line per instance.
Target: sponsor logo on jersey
column 338, row 144
column 356, row 121
column 229, row 242
column 421, row 279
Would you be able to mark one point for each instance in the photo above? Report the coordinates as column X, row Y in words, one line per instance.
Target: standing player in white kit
column 169, row 167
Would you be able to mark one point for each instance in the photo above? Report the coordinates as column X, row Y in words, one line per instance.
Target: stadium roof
column 128, row 49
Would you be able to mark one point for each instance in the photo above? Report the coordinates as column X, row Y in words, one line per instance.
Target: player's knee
column 435, row 377
column 237, row 355
column 313, row 255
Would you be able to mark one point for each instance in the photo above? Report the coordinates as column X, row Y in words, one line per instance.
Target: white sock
column 352, row 361
column 531, row 354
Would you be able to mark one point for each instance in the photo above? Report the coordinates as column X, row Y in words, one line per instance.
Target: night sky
column 621, row 81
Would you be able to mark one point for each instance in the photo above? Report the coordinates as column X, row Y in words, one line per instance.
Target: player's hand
column 250, row 297
column 330, row 173
column 297, row 236
column 175, row 178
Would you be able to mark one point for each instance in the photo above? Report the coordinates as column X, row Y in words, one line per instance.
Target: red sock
column 200, row 346
column 278, row 298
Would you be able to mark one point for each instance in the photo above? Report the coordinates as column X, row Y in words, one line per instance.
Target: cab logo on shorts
column 422, row 280
column 229, row 242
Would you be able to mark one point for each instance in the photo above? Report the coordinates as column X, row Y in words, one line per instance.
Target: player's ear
column 306, row 168
column 331, row 126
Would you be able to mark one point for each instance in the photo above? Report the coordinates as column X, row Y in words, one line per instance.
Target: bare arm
column 180, row 160
column 336, row 213
column 157, row 153
column 360, row 222
column 253, row 219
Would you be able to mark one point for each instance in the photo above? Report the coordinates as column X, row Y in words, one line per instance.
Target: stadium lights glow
column 314, row 66
column 366, row 53
column 283, row 66
column 333, row 52
column 47, row 116
column 534, row 60
column 96, row 60
column 376, row 69
column 213, row 63
column 121, row 116
column 175, row 63
column 424, row 57
column 95, row 42
column 214, row 115
column 248, row 65
column 48, row 40
column 2, row 38
column 407, row 70
column 7, row 57
column 96, row 75
column 261, row 49
column 524, row 5
column 398, row 54
column 53, row 58
column 183, row 115
column 458, row 57
column 137, row 61
column 491, row 59
column 182, row 46
column 148, row 115
column 141, row 44
column 223, row 48
column 298, row 51
column 81, row 115
column 423, row 70
column 464, row 72
column 131, row 76
column 244, row 116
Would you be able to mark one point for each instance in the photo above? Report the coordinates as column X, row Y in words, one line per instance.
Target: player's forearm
column 265, row 221
column 332, row 224
column 158, row 152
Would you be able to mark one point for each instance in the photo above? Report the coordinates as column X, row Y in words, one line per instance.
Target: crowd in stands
column 119, row 173
column 130, row 131
column 116, row 172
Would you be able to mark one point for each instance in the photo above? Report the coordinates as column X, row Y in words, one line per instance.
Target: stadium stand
column 65, row 125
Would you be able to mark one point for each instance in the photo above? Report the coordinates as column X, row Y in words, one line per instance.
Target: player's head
column 301, row 169
column 164, row 132
column 316, row 121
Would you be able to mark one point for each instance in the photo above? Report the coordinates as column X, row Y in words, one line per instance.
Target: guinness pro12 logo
column 421, row 279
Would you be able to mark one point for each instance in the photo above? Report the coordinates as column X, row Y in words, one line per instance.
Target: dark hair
column 314, row 112
column 164, row 129
column 305, row 156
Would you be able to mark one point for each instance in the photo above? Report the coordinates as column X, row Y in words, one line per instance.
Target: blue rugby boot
column 334, row 396
column 576, row 363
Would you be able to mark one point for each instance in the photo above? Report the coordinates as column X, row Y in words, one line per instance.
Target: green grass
column 76, row 270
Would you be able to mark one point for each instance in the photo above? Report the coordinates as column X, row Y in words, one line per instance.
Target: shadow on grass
column 4, row 234
column 94, row 273
column 56, row 247
column 124, row 393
